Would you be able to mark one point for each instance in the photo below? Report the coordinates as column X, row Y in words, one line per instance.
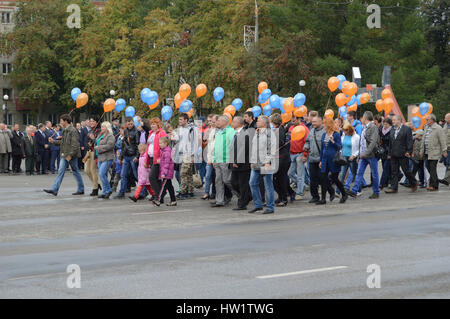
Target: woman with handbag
column 330, row 160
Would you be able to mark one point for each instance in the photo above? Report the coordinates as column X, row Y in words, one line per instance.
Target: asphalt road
column 128, row 250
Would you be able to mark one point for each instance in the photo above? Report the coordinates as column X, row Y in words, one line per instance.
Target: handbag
column 379, row 152
column 339, row 159
column 196, row 179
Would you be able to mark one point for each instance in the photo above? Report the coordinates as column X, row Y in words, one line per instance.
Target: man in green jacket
column 221, row 159
column 70, row 152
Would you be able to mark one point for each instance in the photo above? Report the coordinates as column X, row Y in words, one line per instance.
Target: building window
column 28, row 119
column 8, row 118
column 6, row 17
column 7, row 68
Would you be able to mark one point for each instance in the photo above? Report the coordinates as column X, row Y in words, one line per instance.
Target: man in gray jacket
column 370, row 139
column 5, row 147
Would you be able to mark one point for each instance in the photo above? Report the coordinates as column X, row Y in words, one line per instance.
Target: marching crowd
column 252, row 159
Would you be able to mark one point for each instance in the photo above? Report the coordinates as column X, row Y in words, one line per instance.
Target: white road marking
column 302, row 272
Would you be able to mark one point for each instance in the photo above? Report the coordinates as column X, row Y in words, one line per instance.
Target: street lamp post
column 302, row 83
column 5, row 108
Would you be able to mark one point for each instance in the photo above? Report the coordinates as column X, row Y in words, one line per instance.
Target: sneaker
column 351, row 194
column 299, row 197
column 359, row 194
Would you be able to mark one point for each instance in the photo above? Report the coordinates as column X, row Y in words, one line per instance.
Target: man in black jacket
column 129, row 156
column 400, row 150
column 43, row 148
column 240, row 162
column 17, row 153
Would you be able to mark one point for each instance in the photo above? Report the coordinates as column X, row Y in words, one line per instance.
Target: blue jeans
column 256, row 193
column 103, row 168
column 386, row 175
column 127, row 163
column 363, row 162
column 209, row 180
column 201, row 168
column 63, row 164
column 297, row 172
column 353, row 166
column 55, row 157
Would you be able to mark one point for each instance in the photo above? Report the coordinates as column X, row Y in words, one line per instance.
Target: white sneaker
column 299, row 197
column 358, row 193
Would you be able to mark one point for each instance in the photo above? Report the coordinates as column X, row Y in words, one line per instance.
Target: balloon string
column 72, row 111
column 329, row 98
column 99, row 120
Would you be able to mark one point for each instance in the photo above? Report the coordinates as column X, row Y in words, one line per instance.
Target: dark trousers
column 432, row 169
column 403, row 162
column 280, row 183
column 240, row 184
column 315, row 181
column 154, row 178
column 42, row 165
column 29, row 164
column 166, row 185
column 419, row 167
column 326, row 184
column 16, row 162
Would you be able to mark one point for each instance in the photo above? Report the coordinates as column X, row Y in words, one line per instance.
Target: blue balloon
column 342, row 110
column 352, row 101
column 152, row 98
column 358, row 99
column 299, row 99
column 423, row 108
column 120, row 105
column 260, row 99
column 218, row 94
column 282, row 99
column 186, row 106
column 75, row 92
column 144, row 92
column 166, row 112
column 130, row 111
column 256, row 111
column 265, row 95
column 341, row 79
column 237, row 103
column 267, row 110
column 416, row 121
column 275, row 102
column 136, row 121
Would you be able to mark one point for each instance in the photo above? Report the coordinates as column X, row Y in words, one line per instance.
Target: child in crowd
column 166, row 172
column 143, row 174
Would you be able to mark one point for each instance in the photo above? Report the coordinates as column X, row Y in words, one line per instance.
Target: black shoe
column 313, row 200
column 181, row 196
column 443, row 181
column 119, row 196
column 134, row 199
column 101, row 196
column 217, row 205
column 374, row 196
column 49, row 191
column 107, row 195
column 212, row 197
column 367, row 186
column 268, row 212
column 99, row 187
column 321, row 202
column 350, row 193
column 343, row 198
column 332, row 197
column 240, row 208
column 254, row 210
column 78, row 193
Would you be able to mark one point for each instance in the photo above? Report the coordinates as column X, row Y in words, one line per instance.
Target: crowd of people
column 251, row 159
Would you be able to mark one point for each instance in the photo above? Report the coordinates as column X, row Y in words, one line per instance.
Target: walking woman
column 331, row 144
column 350, row 150
column 154, row 153
column 385, row 137
column 104, row 148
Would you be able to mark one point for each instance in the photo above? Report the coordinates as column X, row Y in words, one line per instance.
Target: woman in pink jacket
column 166, row 173
column 153, row 152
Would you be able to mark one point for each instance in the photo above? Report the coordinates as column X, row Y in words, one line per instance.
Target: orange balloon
column 340, row 99
column 333, row 83
column 82, row 100
column 365, row 97
column 286, row 117
column 200, row 90
column 345, row 87
column 353, row 107
column 415, row 112
column 385, row 94
column 388, row 105
column 178, row 100
column 430, row 110
column 230, row 109
column 230, row 118
column 265, row 103
column 298, row 133
column 154, row 105
column 352, row 88
column 262, row 86
column 288, row 105
column 109, row 105
column 301, row 111
column 185, row 91
column 329, row 114
column 379, row 105
column 190, row 113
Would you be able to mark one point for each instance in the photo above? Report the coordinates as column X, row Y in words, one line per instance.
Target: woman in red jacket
column 154, row 152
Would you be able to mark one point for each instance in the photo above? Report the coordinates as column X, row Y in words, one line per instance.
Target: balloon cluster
column 181, row 101
column 386, row 103
column 80, row 98
column 419, row 114
column 347, row 100
column 150, row 98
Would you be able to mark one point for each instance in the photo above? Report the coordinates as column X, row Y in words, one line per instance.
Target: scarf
column 386, row 130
